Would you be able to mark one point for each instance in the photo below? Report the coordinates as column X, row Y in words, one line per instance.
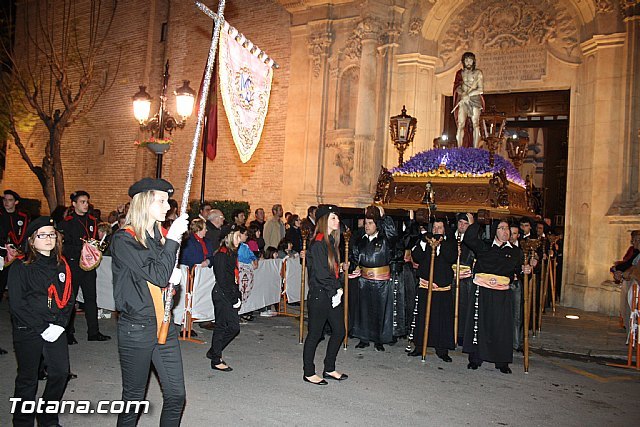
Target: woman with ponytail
column 325, row 296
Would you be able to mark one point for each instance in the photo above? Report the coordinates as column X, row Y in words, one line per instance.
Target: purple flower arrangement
column 463, row 161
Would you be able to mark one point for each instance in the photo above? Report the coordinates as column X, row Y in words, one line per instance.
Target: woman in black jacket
column 325, row 295
column 40, row 299
column 226, row 298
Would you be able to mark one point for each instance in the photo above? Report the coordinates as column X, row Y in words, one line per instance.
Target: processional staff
column 529, row 247
column 455, row 322
column 305, row 236
column 434, row 243
column 168, row 296
column 347, row 237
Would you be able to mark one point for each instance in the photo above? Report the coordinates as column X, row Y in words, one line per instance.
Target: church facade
column 345, row 68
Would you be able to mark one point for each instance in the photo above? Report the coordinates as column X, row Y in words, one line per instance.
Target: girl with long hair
column 40, row 300
column 325, row 296
column 226, row 300
column 143, row 264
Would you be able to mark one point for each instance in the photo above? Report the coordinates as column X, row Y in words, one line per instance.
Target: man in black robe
column 489, row 329
column 467, row 258
column 441, row 315
column 371, row 255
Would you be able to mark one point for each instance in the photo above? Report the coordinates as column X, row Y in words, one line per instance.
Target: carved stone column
column 369, row 30
column 631, row 10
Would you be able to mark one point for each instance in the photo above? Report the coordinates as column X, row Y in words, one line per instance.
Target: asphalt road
column 389, row 388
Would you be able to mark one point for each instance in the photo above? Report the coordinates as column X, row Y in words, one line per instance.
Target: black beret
column 41, row 221
column 462, row 216
column 326, row 210
column 13, row 193
column 74, row 196
column 149, row 184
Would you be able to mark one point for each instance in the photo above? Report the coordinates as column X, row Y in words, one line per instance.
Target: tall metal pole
column 161, row 117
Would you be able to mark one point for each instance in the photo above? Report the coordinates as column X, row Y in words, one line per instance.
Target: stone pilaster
column 369, row 30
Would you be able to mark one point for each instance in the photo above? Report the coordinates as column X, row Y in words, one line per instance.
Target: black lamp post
column 163, row 120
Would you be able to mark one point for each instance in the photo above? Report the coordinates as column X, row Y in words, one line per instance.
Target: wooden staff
column 526, row 313
column 347, row 236
column 544, row 285
column 305, row 235
column 533, row 290
column 456, row 316
column 554, row 270
column 427, row 317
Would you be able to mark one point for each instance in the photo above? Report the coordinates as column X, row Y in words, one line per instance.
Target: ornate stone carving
column 318, row 44
column 343, row 141
column 390, row 33
column 415, row 26
column 604, row 6
column 344, row 160
column 368, row 28
column 630, row 8
column 495, row 24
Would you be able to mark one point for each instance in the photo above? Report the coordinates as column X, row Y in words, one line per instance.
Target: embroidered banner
column 245, row 86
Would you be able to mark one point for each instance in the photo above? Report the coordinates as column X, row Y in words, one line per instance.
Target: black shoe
column 472, row 365
column 307, row 380
column 71, row 376
column 415, row 353
column 98, row 337
column 362, row 344
column 394, row 341
column 209, row 326
column 342, row 377
column 227, row 369
column 378, row 347
column 3, row 351
column 504, row 369
column 445, row 357
column 71, row 339
column 42, row 375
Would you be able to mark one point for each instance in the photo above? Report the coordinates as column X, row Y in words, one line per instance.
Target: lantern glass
column 141, row 105
column 185, row 99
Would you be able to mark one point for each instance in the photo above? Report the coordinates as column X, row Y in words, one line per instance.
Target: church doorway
column 543, row 118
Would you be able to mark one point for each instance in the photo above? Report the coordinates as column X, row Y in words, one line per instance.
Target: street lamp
column 403, row 129
column 163, row 120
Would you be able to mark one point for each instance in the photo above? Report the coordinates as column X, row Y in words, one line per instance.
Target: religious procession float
column 457, row 179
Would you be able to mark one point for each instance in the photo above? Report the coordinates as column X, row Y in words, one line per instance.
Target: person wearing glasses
column 40, row 301
column 489, row 329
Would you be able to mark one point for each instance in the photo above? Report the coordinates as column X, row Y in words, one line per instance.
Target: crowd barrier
column 260, row 287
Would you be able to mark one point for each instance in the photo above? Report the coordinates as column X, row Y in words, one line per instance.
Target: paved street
column 387, row 388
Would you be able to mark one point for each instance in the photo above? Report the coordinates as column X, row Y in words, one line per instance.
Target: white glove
column 176, row 276
column 52, row 333
column 238, row 304
column 178, row 228
column 335, row 300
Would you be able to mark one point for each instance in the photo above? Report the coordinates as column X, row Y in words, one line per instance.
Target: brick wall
column 98, row 151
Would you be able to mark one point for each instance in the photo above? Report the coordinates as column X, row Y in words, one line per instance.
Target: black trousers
column 4, row 275
column 138, row 347
column 29, row 347
column 87, row 281
column 227, row 326
column 320, row 312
